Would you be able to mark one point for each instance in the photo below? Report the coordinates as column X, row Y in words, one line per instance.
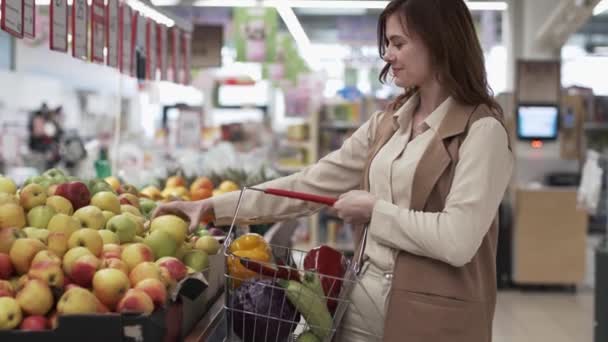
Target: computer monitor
column 537, row 122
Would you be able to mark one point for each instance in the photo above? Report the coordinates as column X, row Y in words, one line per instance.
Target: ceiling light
column 601, row 7
column 299, row 35
column 150, row 12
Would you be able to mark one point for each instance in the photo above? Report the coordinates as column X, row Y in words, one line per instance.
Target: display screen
column 537, row 122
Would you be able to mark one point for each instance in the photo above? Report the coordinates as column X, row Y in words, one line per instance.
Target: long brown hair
column 446, row 28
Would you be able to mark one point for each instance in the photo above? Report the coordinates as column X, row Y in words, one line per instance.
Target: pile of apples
column 73, row 247
column 176, row 188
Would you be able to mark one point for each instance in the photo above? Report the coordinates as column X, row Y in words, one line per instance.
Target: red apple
column 76, row 192
column 6, row 267
column 155, row 289
column 6, row 289
column 34, row 323
column 176, row 267
column 135, row 301
column 84, row 269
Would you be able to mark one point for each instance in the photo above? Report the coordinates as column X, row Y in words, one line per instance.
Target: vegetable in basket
column 310, row 305
column 280, row 271
column 308, row 336
column 252, row 247
column 330, row 264
column 261, row 312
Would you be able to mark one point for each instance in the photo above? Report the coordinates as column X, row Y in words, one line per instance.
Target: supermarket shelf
column 596, row 126
column 340, row 125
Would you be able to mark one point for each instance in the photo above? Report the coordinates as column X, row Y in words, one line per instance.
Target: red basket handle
column 299, row 195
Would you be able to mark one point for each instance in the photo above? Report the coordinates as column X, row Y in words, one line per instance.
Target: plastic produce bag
column 588, row 195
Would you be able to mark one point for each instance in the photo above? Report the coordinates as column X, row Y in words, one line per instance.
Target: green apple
column 32, row 195
column 208, row 244
column 11, row 215
column 106, row 200
column 108, row 215
column 7, row 185
column 147, row 206
column 37, row 233
column 161, row 243
column 60, row 204
column 56, row 176
column 91, row 217
column 109, row 237
column 196, row 259
column 62, row 223
column 40, row 216
column 171, row 224
column 140, row 223
column 10, row 313
column 123, row 226
column 99, row 185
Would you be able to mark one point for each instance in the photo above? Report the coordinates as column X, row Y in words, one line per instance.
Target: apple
column 128, row 189
column 123, row 226
column 151, row 192
column 89, row 238
column 34, row 323
column 23, row 252
column 63, row 223
column 111, row 250
column 10, row 313
column 46, row 255
column 37, row 233
column 135, row 254
column 55, row 175
column 76, row 192
column 140, row 223
column 40, row 216
column 50, row 191
column 197, row 259
column 145, row 270
column 6, row 268
column 147, row 206
column 71, row 256
column 155, row 289
column 19, row 283
column 47, row 271
column 110, row 285
column 106, row 200
column 101, row 308
column 183, row 249
column 115, row 264
column 77, row 300
column 8, row 236
column 11, row 215
column 83, row 270
column 35, row 298
column 6, row 289
column 32, row 195
column 161, row 243
column 109, row 237
column 7, row 185
column 176, row 267
column 60, row 204
column 57, row 242
column 127, row 208
column 138, row 239
column 208, row 244
column 135, row 301
column 107, row 215
column 91, row 217
column 171, row 224
column 114, row 182
column 8, row 198
column 129, row 199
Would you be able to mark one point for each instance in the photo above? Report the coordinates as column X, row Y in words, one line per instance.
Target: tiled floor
column 544, row 317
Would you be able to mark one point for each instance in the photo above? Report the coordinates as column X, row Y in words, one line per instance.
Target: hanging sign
column 98, row 30
column 29, row 18
column 12, row 17
column 112, row 26
column 152, row 51
column 80, row 21
column 163, row 51
column 59, row 25
column 126, row 19
column 187, row 54
column 176, row 54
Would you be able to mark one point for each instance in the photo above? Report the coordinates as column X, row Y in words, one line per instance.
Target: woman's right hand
column 192, row 211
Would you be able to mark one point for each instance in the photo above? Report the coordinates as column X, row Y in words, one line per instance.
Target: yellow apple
column 140, row 223
column 83, row 270
column 108, row 237
column 155, row 289
column 208, row 244
column 46, row 255
column 6, row 289
column 174, row 225
column 176, row 267
column 89, row 238
column 107, row 215
column 8, row 198
column 110, row 285
column 228, row 186
column 10, row 313
column 71, row 256
column 23, row 252
column 145, row 270
column 11, row 215
column 7, row 185
column 32, row 195
column 47, row 271
column 127, row 208
column 123, row 226
column 8, row 236
column 128, row 198
column 60, row 204
column 111, row 250
column 135, row 254
column 91, row 217
column 57, row 242
column 135, row 301
column 106, row 200
column 167, row 279
column 50, row 191
column 77, row 300
column 62, row 223
column 115, row 264
column 37, row 233
column 40, row 216
column 114, row 182
column 35, row 298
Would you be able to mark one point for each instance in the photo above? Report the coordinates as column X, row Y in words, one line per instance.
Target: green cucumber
column 310, row 305
column 311, row 280
column 308, row 336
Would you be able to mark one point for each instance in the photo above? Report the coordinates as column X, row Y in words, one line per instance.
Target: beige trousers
column 364, row 319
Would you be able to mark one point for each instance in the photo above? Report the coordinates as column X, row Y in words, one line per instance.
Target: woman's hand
column 192, row 211
column 355, row 207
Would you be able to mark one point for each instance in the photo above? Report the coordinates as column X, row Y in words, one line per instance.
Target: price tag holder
column 126, row 19
column 112, row 26
column 98, row 30
column 12, row 17
column 163, row 51
column 29, row 18
column 59, row 25
column 80, row 22
column 152, row 51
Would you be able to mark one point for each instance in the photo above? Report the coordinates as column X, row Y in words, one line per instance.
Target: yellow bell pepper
column 251, row 246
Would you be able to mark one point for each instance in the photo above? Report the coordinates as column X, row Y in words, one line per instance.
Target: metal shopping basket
column 275, row 319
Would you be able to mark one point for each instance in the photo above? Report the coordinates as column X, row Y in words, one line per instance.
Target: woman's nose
column 388, row 56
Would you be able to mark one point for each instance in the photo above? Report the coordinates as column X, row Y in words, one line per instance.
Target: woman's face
column 408, row 56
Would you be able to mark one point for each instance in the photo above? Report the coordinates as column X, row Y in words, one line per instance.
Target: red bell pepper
column 329, row 264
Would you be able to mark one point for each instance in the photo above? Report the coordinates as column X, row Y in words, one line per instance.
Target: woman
column 433, row 169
